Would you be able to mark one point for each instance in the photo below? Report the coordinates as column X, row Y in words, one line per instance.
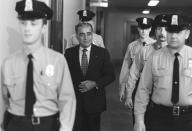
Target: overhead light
column 153, row 3
column 99, row 3
column 146, row 11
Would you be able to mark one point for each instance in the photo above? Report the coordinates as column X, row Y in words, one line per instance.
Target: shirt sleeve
column 134, row 72
column 144, row 89
column 67, row 99
column 101, row 43
column 125, row 67
column 3, row 96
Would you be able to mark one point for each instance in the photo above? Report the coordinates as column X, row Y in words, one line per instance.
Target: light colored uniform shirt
column 157, row 75
column 141, row 57
column 97, row 40
column 133, row 48
column 52, row 85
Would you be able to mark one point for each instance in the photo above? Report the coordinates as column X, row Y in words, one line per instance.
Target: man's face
column 177, row 40
column 143, row 33
column 161, row 34
column 31, row 30
column 85, row 36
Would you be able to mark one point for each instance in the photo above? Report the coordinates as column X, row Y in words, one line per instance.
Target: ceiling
column 172, row 5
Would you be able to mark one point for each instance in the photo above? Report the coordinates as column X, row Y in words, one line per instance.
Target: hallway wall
column 70, row 18
column 115, row 28
column 9, row 37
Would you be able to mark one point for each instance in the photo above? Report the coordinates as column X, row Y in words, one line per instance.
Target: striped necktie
column 84, row 62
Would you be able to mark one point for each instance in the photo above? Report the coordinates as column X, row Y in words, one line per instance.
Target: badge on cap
column 49, row 70
column 85, row 13
column 189, row 63
column 28, row 5
column 174, row 20
column 163, row 20
column 144, row 20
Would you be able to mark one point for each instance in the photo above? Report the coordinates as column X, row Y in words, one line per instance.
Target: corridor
column 117, row 117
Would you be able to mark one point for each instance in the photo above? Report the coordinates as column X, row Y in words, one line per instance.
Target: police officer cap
column 144, row 22
column 177, row 23
column 161, row 20
column 33, row 9
column 85, row 15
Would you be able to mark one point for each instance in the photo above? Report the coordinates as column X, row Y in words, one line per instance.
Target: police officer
column 87, row 17
column 37, row 92
column 144, row 28
column 167, row 74
column 142, row 56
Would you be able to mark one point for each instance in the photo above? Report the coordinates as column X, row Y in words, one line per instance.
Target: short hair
column 83, row 24
column 43, row 20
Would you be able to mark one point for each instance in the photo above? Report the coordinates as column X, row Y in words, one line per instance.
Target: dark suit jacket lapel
column 92, row 58
column 76, row 58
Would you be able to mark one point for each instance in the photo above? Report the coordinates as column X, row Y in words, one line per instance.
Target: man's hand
column 139, row 126
column 129, row 102
column 87, row 85
column 122, row 92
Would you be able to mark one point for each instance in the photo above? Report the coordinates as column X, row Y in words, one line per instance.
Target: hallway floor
column 117, row 117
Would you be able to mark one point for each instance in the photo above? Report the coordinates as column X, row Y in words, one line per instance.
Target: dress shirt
column 133, row 48
column 141, row 57
column 52, row 85
column 157, row 76
column 87, row 53
column 97, row 40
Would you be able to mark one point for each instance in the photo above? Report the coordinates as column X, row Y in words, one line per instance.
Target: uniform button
column 175, row 82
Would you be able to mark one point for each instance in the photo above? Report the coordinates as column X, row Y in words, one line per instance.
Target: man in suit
column 91, row 70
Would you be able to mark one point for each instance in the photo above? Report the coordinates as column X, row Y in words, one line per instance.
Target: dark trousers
column 87, row 121
column 25, row 124
column 164, row 121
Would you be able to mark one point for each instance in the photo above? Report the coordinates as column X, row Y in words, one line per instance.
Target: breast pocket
column 47, row 86
column 16, row 87
column 161, row 77
column 188, row 73
column 187, row 77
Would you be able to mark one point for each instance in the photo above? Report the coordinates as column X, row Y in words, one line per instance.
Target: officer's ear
column 187, row 33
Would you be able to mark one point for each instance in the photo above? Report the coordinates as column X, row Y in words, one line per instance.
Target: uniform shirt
column 97, row 40
column 132, row 50
column 52, row 85
column 157, row 75
column 138, row 64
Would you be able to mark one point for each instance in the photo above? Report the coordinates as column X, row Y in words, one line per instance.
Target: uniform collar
column 147, row 40
column 88, row 48
column 157, row 45
column 181, row 52
column 32, row 49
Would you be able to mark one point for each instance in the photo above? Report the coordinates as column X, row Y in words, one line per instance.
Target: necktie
column 144, row 43
column 30, row 95
column 175, row 84
column 84, row 62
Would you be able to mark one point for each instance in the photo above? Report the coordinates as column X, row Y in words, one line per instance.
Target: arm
column 67, row 100
column 98, row 40
column 133, row 76
column 72, row 41
column 142, row 95
column 123, row 77
column 3, row 98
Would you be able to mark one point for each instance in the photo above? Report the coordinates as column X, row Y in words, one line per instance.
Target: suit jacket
column 100, row 70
